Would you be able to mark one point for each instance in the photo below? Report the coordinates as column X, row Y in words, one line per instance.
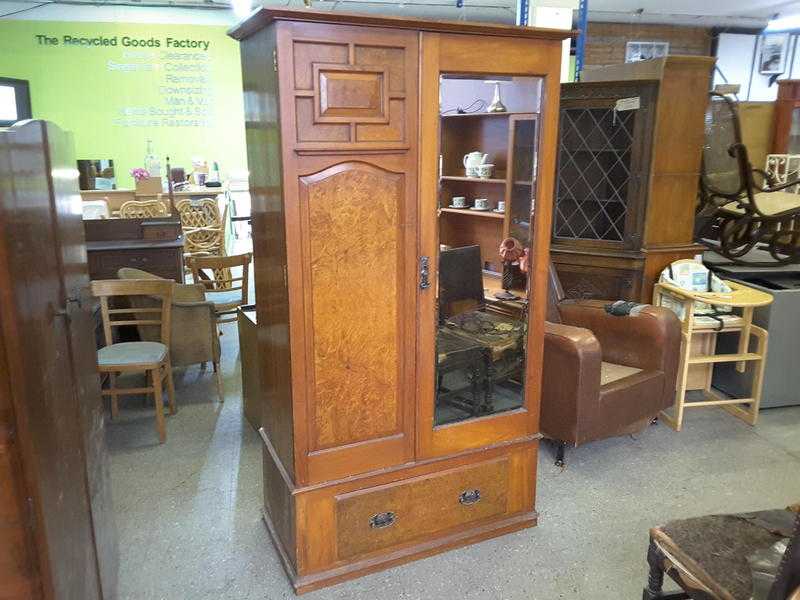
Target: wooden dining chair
column 143, row 209
column 149, row 357
column 222, row 288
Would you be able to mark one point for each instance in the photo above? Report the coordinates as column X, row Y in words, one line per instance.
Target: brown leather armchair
column 604, row 375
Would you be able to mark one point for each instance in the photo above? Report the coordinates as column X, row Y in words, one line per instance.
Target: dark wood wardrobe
column 56, row 525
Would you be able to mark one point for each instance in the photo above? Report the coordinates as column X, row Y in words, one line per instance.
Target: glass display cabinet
column 400, row 348
column 629, row 152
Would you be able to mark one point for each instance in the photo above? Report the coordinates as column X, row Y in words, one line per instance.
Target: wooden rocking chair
column 736, row 214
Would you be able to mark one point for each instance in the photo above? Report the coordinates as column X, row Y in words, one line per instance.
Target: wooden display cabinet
column 630, row 146
column 345, row 180
column 786, row 128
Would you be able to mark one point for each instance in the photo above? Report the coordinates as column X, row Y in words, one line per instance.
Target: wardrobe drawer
column 387, row 515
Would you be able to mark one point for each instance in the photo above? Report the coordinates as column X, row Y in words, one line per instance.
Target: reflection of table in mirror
column 492, row 285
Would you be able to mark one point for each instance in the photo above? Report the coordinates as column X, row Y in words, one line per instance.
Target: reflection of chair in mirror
column 736, row 213
column 486, row 347
column 143, row 209
column 604, row 375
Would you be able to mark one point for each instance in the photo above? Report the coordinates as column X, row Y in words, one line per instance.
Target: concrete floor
column 188, row 511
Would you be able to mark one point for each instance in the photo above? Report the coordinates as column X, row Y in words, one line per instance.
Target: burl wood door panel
column 350, row 202
column 354, row 242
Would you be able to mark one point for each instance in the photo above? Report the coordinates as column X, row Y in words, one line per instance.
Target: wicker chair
column 736, row 214
column 203, row 227
column 143, row 209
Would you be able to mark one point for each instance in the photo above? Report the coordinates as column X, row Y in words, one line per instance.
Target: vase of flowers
column 145, row 184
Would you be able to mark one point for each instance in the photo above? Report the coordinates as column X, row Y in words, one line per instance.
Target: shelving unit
column 507, row 139
column 475, row 213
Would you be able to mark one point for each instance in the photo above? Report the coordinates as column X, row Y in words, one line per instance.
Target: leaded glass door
column 601, row 168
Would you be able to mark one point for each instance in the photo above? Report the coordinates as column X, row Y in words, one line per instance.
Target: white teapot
column 473, row 159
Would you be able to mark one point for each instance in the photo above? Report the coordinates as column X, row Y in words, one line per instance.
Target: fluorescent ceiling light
column 787, row 23
column 241, row 8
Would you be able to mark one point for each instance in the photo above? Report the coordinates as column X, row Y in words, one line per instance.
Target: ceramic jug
column 473, row 159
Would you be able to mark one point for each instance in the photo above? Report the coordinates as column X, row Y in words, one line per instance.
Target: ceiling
column 705, row 13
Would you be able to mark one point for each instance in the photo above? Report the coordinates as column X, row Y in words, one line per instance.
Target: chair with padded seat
column 149, row 357
column 604, row 375
column 194, row 336
column 711, row 557
column 226, row 291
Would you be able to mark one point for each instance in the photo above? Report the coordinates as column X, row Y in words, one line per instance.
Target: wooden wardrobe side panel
column 677, row 147
column 45, row 394
column 262, row 131
column 19, row 574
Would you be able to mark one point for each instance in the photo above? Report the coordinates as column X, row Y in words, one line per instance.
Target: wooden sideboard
column 152, row 245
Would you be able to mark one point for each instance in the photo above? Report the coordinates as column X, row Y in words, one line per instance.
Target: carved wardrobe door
column 349, row 156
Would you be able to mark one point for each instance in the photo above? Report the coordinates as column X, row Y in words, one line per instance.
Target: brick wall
column 605, row 44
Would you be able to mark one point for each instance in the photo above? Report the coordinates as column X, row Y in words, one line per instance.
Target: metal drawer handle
column 468, row 497
column 381, row 520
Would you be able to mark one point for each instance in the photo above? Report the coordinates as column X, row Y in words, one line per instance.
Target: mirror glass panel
column 488, row 141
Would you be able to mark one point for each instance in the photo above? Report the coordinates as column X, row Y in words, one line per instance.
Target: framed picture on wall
column 636, row 51
column 774, row 49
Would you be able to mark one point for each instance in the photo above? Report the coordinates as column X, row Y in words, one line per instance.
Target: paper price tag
column 627, row 104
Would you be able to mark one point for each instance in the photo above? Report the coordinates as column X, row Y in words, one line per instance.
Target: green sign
column 115, row 86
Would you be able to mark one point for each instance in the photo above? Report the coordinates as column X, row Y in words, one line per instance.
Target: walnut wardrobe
column 373, row 455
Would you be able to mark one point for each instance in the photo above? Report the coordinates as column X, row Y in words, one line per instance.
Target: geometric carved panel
column 353, row 239
column 348, row 93
column 353, row 92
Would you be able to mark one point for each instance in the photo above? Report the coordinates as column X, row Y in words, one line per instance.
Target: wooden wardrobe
column 630, row 146
column 57, row 532
column 343, row 132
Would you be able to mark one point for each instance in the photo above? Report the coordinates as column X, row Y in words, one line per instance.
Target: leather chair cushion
column 611, row 372
column 131, row 353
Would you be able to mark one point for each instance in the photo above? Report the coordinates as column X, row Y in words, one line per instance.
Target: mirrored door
column 487, row 169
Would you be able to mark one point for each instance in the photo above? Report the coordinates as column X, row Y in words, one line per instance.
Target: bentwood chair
column 143, row 209
column 742, row 208
column 222, row 288
column 149, row 357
